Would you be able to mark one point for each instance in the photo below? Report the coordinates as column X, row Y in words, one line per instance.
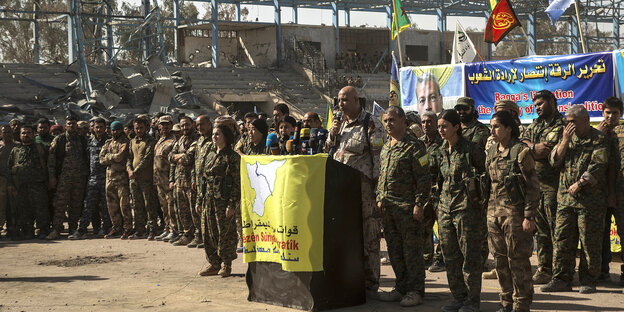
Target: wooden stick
column 578, row 20
column 527, row 39
column 513, row 42
column 396, row 24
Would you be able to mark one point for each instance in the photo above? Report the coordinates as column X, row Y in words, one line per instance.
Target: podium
column 341, row 283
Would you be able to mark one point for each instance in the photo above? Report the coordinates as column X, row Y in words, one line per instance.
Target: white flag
column 377, row 110
column 463, row 49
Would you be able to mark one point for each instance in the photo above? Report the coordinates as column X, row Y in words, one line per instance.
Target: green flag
column 400, row 20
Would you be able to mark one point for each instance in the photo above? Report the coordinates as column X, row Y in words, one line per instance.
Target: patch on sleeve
column 600, row 155
column 377, row 142
column 552, row 135
column 424, row 160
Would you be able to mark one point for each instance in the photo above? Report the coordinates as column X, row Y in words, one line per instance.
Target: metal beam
column 110, row 43
column 237, row 7
column 37, row 7
column 442, row 28
column 574, row 35
column 347, row 12
column 278, row 31
column 147, row 44
column 531, row 34
column 214, row 12
column 176, row 39
column 335, row 23
column 295, row 14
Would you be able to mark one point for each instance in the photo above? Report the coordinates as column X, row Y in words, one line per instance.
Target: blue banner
column 586, row 79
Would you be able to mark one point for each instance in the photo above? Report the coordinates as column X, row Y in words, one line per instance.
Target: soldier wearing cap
column 68, row 168
column 177, row 133
column 474, row 131
column 96, row 187
column 83, row 128
column 163, row 147
column 15, row 125
column 114, row 155
column 541, row 136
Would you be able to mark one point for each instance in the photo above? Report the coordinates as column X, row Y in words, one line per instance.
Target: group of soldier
column 491, row 191
column 124, row 179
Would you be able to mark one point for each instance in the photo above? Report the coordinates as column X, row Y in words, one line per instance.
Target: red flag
column 502, row 20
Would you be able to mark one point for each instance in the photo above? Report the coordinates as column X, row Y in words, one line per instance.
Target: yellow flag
column 282, row 201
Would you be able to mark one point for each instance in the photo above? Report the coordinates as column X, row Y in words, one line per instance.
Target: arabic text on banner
column 574, row 79
column 282, row 200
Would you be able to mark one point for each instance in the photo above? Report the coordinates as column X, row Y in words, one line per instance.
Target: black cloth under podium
column 341, row 283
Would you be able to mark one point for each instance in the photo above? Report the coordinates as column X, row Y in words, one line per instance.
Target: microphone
column 338, row 116
column 289, row 146
column 321, row 138
column 272, row 144
column 304, row 133
column 313, row 141
column 297, row 138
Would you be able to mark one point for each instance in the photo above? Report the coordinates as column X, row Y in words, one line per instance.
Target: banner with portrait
column 431, row 87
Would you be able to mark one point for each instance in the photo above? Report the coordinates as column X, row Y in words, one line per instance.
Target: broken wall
column 258, row 46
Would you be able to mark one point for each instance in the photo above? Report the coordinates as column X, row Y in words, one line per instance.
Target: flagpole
column 527, row 39
column 513, row 42
column 396, row 24
column 578, row 20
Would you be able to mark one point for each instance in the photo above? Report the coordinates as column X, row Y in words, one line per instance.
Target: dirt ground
column 116, row 275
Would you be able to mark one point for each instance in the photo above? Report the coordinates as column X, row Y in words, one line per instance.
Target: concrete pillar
column 442, row 28
column 295, row 14
column 214, row 12
column 37, row 8
column 176, row 38
column 109, row 32
column 238, row 11
column 616, row 28
column 278, row 30
column 335, row 22
column 389, row 25
column 574, row 35
column 147, row 40
column 71, row 49
column 531, row 34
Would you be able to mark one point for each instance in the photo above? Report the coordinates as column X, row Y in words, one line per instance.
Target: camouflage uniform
column 161, row 180
column 360, row 151
column 476, row 132
column 581, row 216
column 490, row 139
column 404, row 182
column 613, row 168
column 479, row 133
column 114, row 155
column 619, row 185
column 248, row 148
column 180, row 173
column 141, row 160
column 548, row 132
column 96, row 188
column 44, row 140
column 27, row 173
column 460, row 215
column 431, row 206
column 201, row 148
column 5, row 150
column 221, row 191
column 68, row 161
column 510, row 171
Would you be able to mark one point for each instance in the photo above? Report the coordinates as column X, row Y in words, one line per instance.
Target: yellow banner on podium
column 282, row 201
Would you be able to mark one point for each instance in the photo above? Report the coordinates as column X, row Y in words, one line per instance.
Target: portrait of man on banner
column 431, row 88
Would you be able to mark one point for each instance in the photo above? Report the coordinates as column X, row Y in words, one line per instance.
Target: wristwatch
column 579, row 184
column 530, row 218
column 532, row 148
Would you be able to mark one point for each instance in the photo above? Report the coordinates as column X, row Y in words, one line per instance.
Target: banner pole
column 578, row 21
column 527, row 39
column 396, row 24
column 513, row 42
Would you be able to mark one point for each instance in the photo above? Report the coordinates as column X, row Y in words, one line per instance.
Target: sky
column 318, row 17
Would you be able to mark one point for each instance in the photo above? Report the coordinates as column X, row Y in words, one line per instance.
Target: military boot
column 185, row 240
column 193, row 243
column 53, row 235
column 540, row 277
column 556, row 285
column 163, row 235
column 210, row 270
column 226, row 270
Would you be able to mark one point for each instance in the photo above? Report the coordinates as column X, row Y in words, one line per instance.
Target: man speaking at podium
column 357, row 138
